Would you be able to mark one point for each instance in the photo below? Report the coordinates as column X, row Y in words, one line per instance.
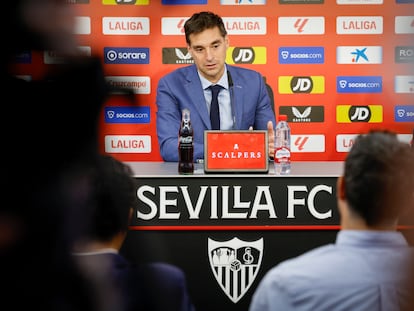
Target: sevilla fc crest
column 235, row 264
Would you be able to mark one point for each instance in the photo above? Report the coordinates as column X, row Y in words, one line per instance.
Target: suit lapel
column 196, row 95
column 237, row 104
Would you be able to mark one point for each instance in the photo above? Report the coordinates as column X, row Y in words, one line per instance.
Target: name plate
column 236, row 151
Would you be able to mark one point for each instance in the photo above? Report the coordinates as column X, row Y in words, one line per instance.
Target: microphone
column 232, row 101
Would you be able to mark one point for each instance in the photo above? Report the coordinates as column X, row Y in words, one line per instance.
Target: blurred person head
column 51, row 143
column 207, row 42
column 378, row 182
column 113, row 200
column 38, row 25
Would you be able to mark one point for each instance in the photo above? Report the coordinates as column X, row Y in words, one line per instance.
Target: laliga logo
column 235, row 264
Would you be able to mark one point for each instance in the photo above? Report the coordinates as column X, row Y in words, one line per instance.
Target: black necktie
column 214, row 108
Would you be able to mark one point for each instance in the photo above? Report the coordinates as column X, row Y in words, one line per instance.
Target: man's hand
column 271, row 137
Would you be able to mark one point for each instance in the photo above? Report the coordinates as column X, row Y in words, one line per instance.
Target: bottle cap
column 282, row 117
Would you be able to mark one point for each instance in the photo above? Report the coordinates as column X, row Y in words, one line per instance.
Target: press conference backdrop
column 336, row 68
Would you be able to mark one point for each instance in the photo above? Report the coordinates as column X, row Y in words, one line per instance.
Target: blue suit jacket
column 182, row 88
column 154, row 286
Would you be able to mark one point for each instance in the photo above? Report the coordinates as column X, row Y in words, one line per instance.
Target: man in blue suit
column 244, row 102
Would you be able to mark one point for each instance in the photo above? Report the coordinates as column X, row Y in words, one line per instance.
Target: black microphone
column 230, row 80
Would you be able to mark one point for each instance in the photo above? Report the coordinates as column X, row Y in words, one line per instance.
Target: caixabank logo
column 246, row 55
column 178, row 55
column 356, row 55
column 301, row 84
column 305, row 114
column 114, row 55
column 352, row 114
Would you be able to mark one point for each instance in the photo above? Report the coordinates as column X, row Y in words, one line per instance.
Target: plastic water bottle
column 185, row 145
column 282, row 146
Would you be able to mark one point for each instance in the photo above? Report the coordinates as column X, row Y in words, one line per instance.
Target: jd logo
column 243, row 55
column 125, row 1
column 359, row 114
column 301, row 85
column 235, row 264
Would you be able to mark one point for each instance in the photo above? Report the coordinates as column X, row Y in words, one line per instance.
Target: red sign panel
column 236, row 151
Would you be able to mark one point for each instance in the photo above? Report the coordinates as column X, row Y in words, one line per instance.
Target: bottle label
column 282, row 155
column 186, row 139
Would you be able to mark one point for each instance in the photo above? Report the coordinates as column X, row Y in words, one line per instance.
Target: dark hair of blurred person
column 49, row 139
column 151, row 287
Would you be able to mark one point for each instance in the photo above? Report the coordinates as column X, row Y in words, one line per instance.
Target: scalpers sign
column 193, row 204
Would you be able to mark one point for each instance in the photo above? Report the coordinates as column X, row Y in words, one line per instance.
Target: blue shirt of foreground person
column 244, row 102
column 368, row 266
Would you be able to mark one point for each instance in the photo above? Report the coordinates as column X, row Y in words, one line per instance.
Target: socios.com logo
column 127, row 115
column 359, row 84
column 301, row 55
column 404, row 113
column 126, row 55
column 351, row 114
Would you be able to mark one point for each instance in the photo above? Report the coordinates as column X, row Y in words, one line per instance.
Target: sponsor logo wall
column 335, row 75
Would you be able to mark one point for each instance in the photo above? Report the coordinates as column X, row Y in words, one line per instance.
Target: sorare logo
column 126, row 55
column 301, row 55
